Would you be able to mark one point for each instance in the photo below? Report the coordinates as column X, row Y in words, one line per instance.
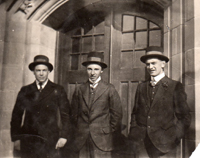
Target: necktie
column 94, row 85
column 153, row 82
column 40, row 84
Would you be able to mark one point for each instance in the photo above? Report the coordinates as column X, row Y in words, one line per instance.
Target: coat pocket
column 169, row 125
column 107, row 130
column 167, row 135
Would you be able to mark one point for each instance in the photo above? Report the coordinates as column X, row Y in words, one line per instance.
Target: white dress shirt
column 43, row 85
column 94, row 84
column 156, row 79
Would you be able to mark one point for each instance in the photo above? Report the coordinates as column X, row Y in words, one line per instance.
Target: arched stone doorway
column 111, row 27
column 122, row 32
column 58, row 14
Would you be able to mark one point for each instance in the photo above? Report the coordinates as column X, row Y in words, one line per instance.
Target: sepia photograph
column 99, row 79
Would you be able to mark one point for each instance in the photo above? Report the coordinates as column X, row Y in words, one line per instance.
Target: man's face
column 41, row 72
column 155, row 66
column 94, row 71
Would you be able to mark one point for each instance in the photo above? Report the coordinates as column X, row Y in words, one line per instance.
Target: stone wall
column 196, row 56
column 179, row 46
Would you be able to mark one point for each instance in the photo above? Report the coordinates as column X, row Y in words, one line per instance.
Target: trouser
column 90, row 150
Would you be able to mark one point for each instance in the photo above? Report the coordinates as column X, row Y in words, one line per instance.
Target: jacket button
column 149, row 126
column 149, row 117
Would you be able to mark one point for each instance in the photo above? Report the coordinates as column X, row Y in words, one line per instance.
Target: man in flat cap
column 160, row 116
column 96, row 113
column 40, row 118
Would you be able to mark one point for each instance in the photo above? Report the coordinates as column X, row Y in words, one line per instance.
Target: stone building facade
column 29, row 28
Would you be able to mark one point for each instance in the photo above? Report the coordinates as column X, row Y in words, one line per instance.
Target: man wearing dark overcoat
column 40, row 119
column 160, row 116
column 96, row 113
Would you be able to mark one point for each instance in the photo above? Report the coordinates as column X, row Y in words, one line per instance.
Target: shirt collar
column 43, row 85
column 95, row 82
column 159, row 77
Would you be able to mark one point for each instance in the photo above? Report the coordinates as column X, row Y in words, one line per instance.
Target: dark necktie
column 153, row 82
column 93, row 85
column 40, row 84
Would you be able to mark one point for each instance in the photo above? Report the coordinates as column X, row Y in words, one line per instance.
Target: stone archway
column 18, row 46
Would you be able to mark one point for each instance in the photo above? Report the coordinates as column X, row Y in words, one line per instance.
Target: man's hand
column 17, row 145
column 61, row 142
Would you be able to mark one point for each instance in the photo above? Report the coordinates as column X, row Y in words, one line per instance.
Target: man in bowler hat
column 160, row 116
column 96, row 113
column 40, row 119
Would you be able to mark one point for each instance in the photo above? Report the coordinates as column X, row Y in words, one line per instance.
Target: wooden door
column 122, row 33
column 73, row 47
column 131, row 33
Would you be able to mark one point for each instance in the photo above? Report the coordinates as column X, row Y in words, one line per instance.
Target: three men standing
column 45, row 107
column 96, row 113
column 160, row 115
column 159, row 119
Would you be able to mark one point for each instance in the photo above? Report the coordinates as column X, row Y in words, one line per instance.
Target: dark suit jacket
column 43, row 113
column 166, row 120
column 101, row 120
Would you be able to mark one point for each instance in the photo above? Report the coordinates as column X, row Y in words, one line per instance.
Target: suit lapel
column 101, row 88
column 33, row 93
column 85, row 92
column 145, row 91
column 33, row 87
column 160, row 92
column 47, row 90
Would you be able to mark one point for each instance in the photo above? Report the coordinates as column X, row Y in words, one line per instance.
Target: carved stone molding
column 39, row 10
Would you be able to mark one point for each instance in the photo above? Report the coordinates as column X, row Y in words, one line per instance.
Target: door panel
column 131, row 35
column 79, row 41
column 122, row 35
column 123, row 38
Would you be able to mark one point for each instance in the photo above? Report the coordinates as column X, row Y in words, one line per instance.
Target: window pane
column 127, row 60
column 87, row 44
column 155, row 38
column 88, row 30
column 76, row 45
column 74, row 62
column 78, row 31
column 141, row 39
column 83, row 58
column 152, row 25
column 99, row 43
column 100, row 28
column 141, row 23
column 127, row 41
column 138, row 63
column 128, row 23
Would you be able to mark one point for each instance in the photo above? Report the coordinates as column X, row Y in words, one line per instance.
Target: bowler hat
column 95, row 58
column 40, row 59
column 154, row 52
